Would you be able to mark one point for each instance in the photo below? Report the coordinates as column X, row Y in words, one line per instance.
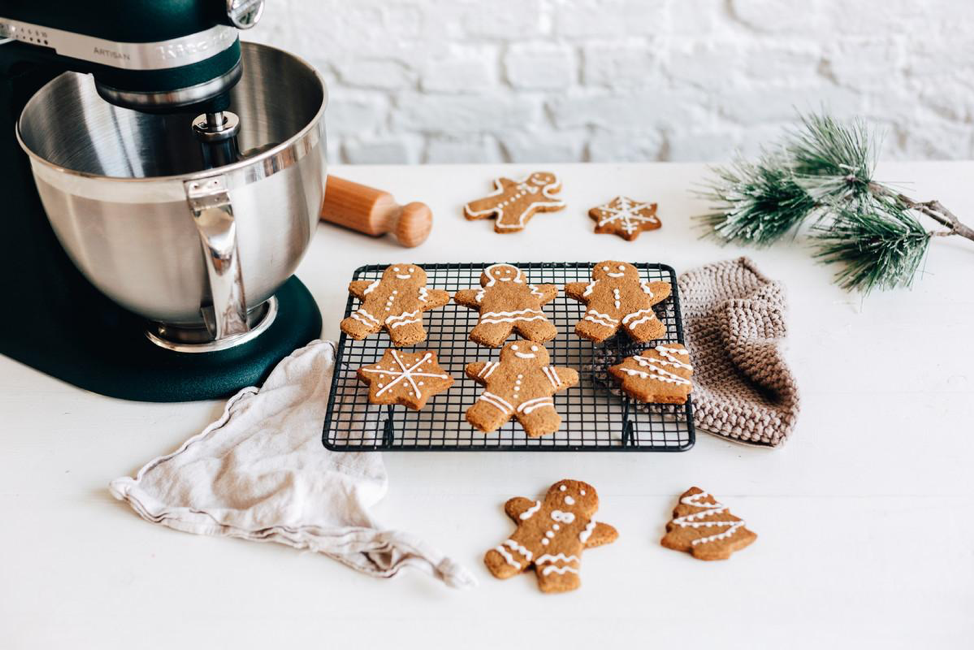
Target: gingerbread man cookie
column 705, row 528
column 507, row 302
column 550, row 536
column 624, row 217
column 659, row 375
column 519, row 386
column 515, row 202
column 395, row 303
column 406, row 378
column 618, row 297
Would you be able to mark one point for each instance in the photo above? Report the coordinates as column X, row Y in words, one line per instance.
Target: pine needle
column 755, row 203
column 879, row 244
column 831, row 161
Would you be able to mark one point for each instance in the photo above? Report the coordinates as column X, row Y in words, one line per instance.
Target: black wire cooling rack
column 593, row 418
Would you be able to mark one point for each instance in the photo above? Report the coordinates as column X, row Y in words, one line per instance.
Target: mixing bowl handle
column 213, row 215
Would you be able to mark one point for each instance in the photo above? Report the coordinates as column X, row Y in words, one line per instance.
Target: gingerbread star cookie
column 406, row 378
column 514, row 202
column 507, row 303
column 396, row 303
column 705, row 528
column 624, row 217
column 551, row 536
column 660, row 375
column 618, row 297
column 519, row 386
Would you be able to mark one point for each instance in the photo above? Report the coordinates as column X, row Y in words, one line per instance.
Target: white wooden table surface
column 865, row 518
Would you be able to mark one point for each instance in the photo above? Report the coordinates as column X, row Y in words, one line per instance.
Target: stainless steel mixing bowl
column 129, row 198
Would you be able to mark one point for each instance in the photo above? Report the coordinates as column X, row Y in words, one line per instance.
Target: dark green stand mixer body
column 169, row 61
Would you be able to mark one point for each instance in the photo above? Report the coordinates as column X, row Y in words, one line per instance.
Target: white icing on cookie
column 522, row 315
column 488, row 368
column 507, row 556
column 403, row 319
column 710, row 510
column 369, row 289
column 563, row 517
column 520, row 549
column 532, row 405
column 552, row 375
column 627, row 213
column 589, row 527
column 522, row 188
column 527, row 514
column 647, row 313
column 404, row 373
column 556, row 569
column 561, row 557
column 655, row 367
column 496, row 401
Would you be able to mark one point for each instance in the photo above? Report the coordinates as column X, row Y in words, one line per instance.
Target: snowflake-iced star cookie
column 618, row 298
column 507, row 302
column 406, row 378
column 660, row 375
column 704, row 527
column 514, row 202
column 395, row 303
column 624, row 217
column 519, row 386
column 551, row 536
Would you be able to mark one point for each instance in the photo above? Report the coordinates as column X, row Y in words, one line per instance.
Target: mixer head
column 149, row 55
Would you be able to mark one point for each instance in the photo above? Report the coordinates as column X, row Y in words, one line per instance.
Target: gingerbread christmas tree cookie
column 406, row 378
column 550, row 536
column 624, row 217
column 617, row 297
column 396, row 303
column 507, row 303
column 514, row 202
column 705, row 528
column 519, row 386
column 659, row 375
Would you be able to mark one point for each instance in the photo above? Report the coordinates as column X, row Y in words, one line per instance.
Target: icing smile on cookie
column 408, row 275
column 525, row 355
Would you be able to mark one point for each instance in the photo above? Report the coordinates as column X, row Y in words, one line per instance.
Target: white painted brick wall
column 627, row 80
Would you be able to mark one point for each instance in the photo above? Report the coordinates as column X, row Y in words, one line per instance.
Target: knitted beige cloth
column 734, row 327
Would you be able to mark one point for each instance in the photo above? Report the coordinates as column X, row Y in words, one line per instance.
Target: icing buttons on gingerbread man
column 519, row 386
column 617, row 297
column 396, row 303
column 550, row 536
column 507, row 302
column 515, row 202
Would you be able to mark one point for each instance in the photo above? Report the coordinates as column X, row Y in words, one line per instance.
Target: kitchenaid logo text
column 216, row 41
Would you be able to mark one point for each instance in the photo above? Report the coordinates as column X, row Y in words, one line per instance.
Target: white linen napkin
column 261, row 473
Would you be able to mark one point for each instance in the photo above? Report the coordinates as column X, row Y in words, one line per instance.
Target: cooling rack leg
column 628, row 438
column 388, row 431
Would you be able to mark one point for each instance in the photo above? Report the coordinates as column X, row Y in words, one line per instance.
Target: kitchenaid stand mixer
column 182, row 180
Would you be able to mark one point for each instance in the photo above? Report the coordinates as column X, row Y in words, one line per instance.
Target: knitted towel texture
column 735, row 326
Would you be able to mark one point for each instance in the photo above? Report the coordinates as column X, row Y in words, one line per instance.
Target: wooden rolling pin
column 375, row 212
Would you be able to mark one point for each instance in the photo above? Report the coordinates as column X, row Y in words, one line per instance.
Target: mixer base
column 122, row 362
